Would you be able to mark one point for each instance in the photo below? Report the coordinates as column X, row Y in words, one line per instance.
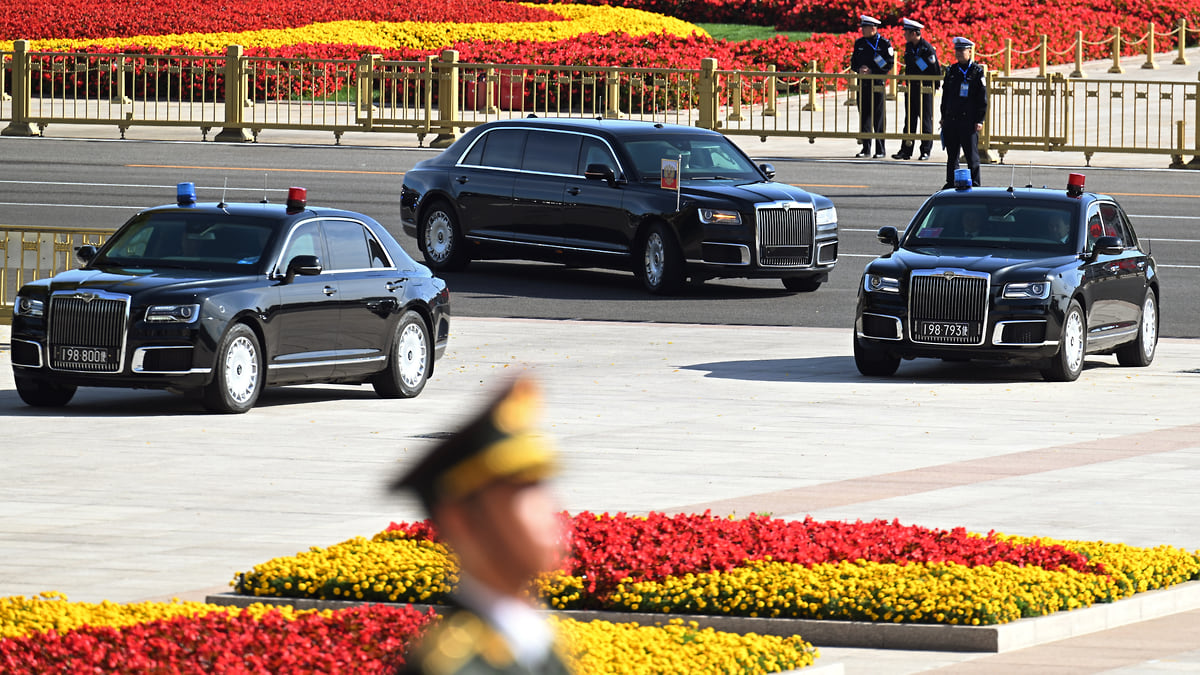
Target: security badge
column 965, row 88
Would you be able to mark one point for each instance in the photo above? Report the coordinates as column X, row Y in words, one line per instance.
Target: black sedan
column 667, row 202
column 221, row 300
column 1024, row 275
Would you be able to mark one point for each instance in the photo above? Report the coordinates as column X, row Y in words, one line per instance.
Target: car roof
column 1019, row 192
column 256, row 210
column 622, row 128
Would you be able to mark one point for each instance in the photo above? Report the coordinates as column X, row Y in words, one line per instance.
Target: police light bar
column 185, row 194
column 297, row 199
column 1074, row 184
column 962, row 179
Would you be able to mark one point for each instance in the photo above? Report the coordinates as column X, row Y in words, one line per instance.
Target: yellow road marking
column 237, row 168
column 817, row 185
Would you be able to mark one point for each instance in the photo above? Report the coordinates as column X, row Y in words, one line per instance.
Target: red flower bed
column 78, row 19
column 607, row 549
column 369, row 639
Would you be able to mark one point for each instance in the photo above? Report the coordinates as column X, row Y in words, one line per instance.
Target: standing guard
column 873, row 55
column 920, row 58
column 964, row 108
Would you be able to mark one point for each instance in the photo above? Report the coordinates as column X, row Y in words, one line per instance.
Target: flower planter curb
column 868, row 635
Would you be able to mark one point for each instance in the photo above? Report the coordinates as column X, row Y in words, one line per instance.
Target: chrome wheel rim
column 655, row 259
column 1149, row 327
column 439, row 236
column 1073, row 341
column 411, row 353
column 241, row 369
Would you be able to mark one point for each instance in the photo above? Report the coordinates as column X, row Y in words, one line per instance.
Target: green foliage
column 734, row 32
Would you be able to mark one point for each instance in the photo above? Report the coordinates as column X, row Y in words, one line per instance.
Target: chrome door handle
column 573, row 191
column 462, row 180
column 330, row 290
column 393, row 285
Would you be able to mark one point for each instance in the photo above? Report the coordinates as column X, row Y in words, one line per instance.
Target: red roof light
column 297, row 199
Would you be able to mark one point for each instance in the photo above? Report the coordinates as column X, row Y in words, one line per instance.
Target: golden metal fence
column 31, row 253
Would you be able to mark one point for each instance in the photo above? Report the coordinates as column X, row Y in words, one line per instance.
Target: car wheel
column 441, row 240
column 43, row 394
column 661, row 262
column 801, row 284
column 1140, row 352
column 873, row 361
column 410, row 359
column 1067, row 364
column 238, row 372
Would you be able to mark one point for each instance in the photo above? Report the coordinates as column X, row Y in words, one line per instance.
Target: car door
column 483, row 183
column 594, row 216
column 368, row 288
column 1102, row 281
column 1129, row 268
column 550, row 157
column 302, row 328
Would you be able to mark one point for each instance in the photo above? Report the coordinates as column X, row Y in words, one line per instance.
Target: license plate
column 82, row 355
column 946, row 329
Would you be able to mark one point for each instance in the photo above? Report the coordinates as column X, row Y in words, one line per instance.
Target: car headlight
column 172, row 313
column 880, row 283
column 1027, row 290
column 717, row 217
column 827, row 216
column 28, row 307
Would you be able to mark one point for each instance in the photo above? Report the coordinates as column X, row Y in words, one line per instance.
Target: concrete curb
column 860, row 634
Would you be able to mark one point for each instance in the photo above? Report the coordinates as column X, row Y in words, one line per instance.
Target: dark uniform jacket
column 463, row 643
column 867, row 49
column 920, row 53
column 969, row 108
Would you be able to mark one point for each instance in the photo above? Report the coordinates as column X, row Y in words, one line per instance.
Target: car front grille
column 947, row 307
column 785, row 236
column 91, row 323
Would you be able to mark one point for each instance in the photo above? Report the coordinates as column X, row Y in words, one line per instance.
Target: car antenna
column 1012, row 178
column 1030, row 184
column 264, row 199
column 222, row 204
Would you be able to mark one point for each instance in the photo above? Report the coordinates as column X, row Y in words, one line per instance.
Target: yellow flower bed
column 603, row 648
column 21, row 616
column 411, row 34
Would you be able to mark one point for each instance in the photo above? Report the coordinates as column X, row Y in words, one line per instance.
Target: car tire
column 1140, row 352
column 874, row 362
column 409, row 361
column 1067, row 364
column 801, row 284
column 660, row 261
column 441, row 240
column 43, row 394
column 237, row 372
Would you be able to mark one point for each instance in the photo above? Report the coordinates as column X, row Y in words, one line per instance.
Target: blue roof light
column 185, row 194
column 962, row 179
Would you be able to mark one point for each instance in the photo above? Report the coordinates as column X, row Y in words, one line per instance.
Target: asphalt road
column 94, row 183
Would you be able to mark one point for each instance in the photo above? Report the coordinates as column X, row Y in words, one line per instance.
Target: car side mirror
column 86, row 253
column 1108, row 246
column 768, row 170
column 303, row 265
column 888, row 235
column 602, row 172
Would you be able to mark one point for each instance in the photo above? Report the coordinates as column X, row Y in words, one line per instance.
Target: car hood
column 994, row 262
column 752, row 192
column 134, row 283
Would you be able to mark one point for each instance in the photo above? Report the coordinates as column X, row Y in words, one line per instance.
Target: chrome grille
column 785, row 236
column 942, row 302
column 77, row 322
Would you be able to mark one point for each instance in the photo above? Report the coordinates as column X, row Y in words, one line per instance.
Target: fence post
column 366, row 88
column 612, row 87
column 1043, row 56
column 447, row 99
column 1150, row 64
column 21, row 94
column 235, row 98
column 1181, row 60
column 1008, row 57
column 893, row 85
column 117, row 94
column 1078, row 72
column 769, row 94
column 812, row 106
column 1116, row 51
column 734, row 109
column 708, row 94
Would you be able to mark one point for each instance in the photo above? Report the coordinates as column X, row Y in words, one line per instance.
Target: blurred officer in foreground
column 920, row 58
column 484, row 489
column 964, row 107
column 873, row 55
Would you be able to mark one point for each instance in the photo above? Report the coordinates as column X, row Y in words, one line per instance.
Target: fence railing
column 441, row 96
column 31, row 253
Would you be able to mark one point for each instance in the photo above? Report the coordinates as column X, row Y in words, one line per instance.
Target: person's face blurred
column 868, row 31
column 963, row 54
column 971, row 222
column 1059, row 227
column 911, row 36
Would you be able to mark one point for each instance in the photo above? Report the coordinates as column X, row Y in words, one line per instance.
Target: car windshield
column 1001, row 222
column 192, row 241
column 701, row 157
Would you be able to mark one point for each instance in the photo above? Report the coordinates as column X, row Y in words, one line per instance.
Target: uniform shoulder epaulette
column 460, row 638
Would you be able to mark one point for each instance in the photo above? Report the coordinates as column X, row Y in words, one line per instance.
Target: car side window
column 379, row 257
column 504, row 148
column 1113, row 226
column 551, row 152
column 347, row 243
column 594, row 151
column 305, row 240
column 1095, row 228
